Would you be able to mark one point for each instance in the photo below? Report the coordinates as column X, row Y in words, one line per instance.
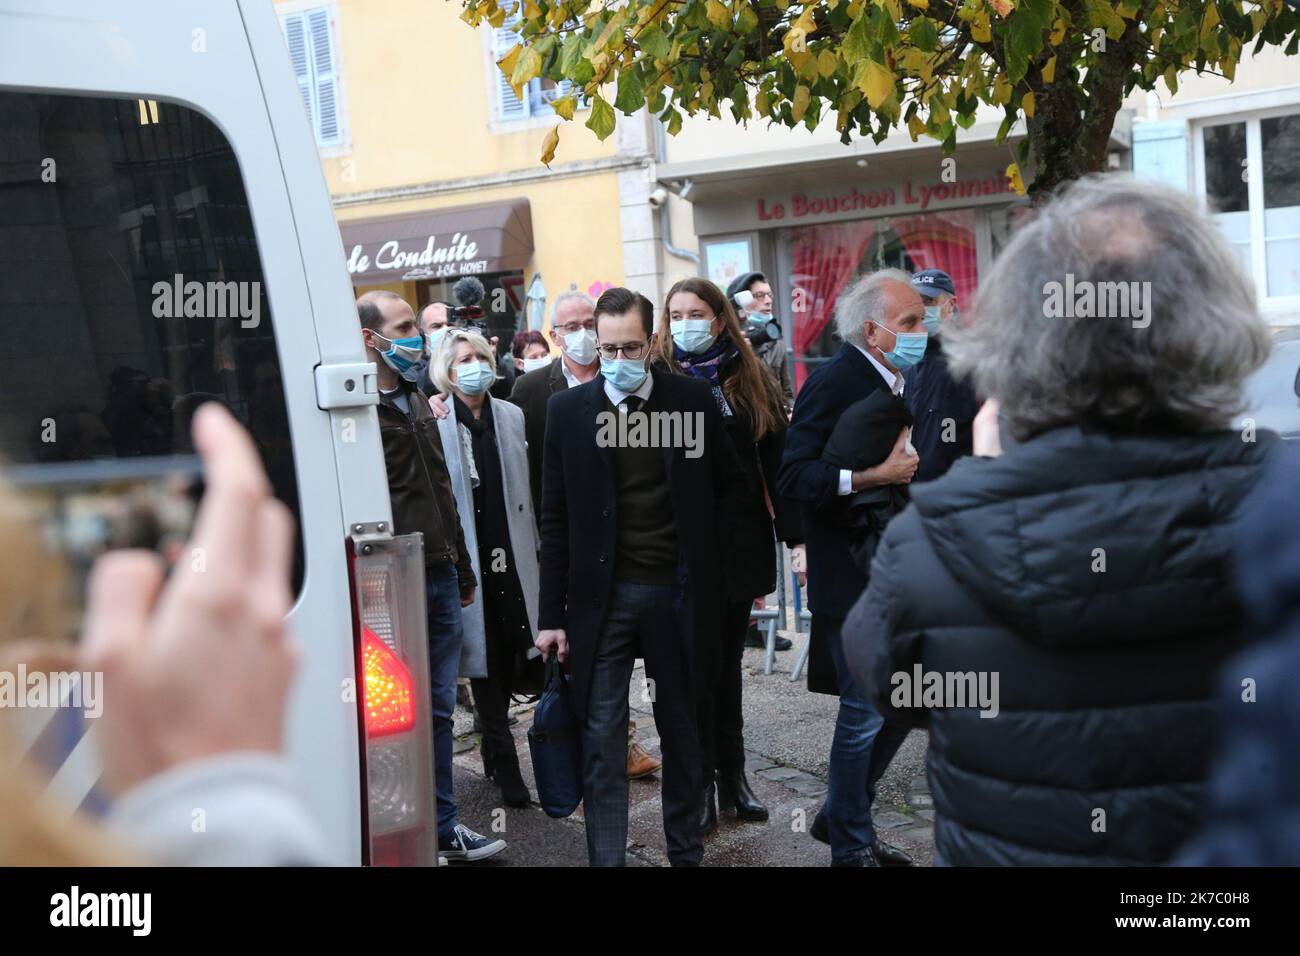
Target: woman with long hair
column 484, row 444
column 700, row 336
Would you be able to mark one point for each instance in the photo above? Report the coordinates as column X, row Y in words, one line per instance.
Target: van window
column 132, row 293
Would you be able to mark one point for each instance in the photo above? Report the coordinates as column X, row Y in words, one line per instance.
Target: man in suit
column 631, row 546
column 880, row 318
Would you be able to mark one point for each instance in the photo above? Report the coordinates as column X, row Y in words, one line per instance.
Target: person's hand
column 467, row 598
column 438, row 405
column 986, row 440
column 897, row 469
column 556, row 640
column 201, row 664
column 799, row 564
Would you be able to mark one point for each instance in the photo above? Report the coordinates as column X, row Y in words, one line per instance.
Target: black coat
column 531, row 393
column 1106, row 677
column 579, row 520
column 751, row 556
column 943, row 408
column 834, row 581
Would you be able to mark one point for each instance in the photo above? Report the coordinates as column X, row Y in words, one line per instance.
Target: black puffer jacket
column 1105, row 678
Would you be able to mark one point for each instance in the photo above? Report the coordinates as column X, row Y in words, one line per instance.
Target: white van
column 166, row 237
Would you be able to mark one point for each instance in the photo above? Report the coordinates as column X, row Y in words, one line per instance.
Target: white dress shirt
column 616, row 395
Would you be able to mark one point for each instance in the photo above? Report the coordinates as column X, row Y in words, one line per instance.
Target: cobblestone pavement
column 787, row 737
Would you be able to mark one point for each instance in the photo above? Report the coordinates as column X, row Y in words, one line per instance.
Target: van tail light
column 390, row 635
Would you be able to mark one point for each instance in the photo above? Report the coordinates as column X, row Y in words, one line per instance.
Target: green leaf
column 654, row 41
column 857, row 41
column 602, row 120
column 746, row 20
column 1024, row 39
column 924, row 36
column 570, row 53
column 631, row 92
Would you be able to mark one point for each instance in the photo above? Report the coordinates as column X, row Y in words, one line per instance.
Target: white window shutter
column 509, row 106
column 295, row 34
column 322, row 58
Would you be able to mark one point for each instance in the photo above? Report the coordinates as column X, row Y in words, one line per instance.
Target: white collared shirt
column 617, row 395
column 570, row 380
column 895, row 382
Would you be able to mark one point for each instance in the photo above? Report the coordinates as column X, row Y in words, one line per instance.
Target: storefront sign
column 466, row 240
column 854, row 200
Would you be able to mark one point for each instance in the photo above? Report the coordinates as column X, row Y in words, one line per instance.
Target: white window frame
column 1275, row 305
column 294, row 7
column 541, row 120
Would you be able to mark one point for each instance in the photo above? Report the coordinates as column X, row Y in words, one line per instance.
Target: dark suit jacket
column 579, row 521
column 531, row 393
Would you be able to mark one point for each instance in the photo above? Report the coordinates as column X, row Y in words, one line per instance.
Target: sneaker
column 464, row 844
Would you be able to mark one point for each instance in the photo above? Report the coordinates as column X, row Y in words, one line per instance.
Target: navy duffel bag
column 555, row 743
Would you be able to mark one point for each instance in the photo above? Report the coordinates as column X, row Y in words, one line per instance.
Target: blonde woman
column 700, row 336
column 196, row 671
column 483, row 441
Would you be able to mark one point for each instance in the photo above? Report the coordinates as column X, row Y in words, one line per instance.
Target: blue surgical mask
column 474, row 378
column 765, row 322
column 909, row 348
column 405, row 357
column 693, row 335
column 932, row 319
column 626, row 375
column 435, row 338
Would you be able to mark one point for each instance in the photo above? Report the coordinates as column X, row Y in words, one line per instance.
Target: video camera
column 758, row 335
column 467, row 313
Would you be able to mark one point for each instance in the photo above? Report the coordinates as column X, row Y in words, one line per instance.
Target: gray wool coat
column 508, row 421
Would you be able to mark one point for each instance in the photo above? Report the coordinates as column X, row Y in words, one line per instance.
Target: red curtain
column 943, row 241
column 824, row 259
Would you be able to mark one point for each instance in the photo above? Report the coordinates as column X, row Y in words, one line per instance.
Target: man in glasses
column 631, row 555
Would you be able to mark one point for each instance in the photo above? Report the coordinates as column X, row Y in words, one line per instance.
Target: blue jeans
column 444, row 667
column 860, row 753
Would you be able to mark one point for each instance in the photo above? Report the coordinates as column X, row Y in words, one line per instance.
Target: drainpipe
column 661, row 149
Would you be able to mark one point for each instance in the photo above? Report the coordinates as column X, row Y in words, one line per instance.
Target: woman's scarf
column 708, row 364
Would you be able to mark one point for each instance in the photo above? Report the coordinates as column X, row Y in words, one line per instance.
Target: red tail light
column 390, row 696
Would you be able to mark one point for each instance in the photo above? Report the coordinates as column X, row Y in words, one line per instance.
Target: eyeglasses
column 632, row 350
column 589, row 325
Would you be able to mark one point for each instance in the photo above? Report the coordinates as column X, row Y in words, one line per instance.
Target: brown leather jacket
column 418, row 482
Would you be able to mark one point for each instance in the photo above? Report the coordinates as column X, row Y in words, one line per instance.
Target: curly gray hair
column 1182, row 367
column 864, row 301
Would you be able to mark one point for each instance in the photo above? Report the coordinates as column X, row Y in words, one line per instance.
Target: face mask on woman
column 405, row 357
column 909, row 348
column 693, row 335
column 473, row 378
column 533, row 364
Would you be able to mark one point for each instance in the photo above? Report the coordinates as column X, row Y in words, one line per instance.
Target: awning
column 440, row 243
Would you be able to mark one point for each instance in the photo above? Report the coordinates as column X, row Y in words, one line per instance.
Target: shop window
column 819, row 261
column 313, row 49
column 100, row 373
column 1249, row 172
column 540, row 92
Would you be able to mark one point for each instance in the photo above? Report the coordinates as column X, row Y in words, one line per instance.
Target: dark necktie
column 632, row 403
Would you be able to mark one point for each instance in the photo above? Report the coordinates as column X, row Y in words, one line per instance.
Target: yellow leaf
column 1058, row 33
column 979, row 30
column 551, row 141
column 718, row 14
column 1027, row 104
column 763, row 103
column 915, row 127
column 795, row 40
column 827, row 63
column 508, row 63
column 528, row 67
column 1049, row 71
column 920, row 4
column 1013, row 174
column 531, row 10
column 1001, row 90
column 878, row 84
column 565, row 105
column 801, row 97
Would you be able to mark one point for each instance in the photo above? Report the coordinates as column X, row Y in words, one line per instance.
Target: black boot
column 734, row 794
column 505, row 770
column 709, row 812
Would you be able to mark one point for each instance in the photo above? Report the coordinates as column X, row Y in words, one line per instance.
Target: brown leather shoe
column 639, row 763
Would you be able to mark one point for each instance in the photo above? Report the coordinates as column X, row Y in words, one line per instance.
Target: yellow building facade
column 433, row 163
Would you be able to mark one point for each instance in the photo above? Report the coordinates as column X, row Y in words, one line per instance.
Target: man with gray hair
column 880, row 318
